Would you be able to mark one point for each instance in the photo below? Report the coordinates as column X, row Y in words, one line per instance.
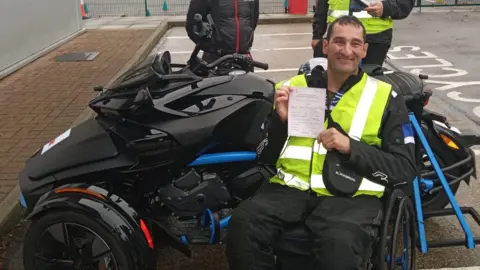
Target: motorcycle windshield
column 137, row 75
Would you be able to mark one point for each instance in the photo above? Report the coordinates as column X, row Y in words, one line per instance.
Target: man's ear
column 365, row 49
column 325, row 46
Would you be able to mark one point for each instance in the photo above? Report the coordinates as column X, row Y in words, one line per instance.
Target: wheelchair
column 405, row 207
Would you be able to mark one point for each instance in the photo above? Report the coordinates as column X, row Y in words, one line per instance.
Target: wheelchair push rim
column 389, row 255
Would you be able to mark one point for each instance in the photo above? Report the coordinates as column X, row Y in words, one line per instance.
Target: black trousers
column 376, row 53
column 342, row 229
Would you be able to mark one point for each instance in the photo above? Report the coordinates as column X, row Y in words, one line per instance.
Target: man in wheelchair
column 333, row 185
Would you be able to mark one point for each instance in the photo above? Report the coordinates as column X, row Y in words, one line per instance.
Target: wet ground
column 440, row 38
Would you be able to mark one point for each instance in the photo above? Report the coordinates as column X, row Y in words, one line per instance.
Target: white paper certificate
column 306, row 112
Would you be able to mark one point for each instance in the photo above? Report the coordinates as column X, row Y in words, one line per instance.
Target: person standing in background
column 377, row 17
column 235, row 20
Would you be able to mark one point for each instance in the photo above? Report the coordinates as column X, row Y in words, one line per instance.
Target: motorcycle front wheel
column 70, row 240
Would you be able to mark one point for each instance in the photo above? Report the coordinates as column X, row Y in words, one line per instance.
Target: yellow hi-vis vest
column 359, row 112
column 373, row 25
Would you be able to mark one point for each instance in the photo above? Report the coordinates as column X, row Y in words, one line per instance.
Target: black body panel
column 87, row 143
column 234, row 124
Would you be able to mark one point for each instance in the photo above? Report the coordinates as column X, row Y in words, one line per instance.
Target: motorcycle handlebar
column 261, row 65
column 235, row 57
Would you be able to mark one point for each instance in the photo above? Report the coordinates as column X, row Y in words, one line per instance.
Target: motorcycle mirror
column 161, row 63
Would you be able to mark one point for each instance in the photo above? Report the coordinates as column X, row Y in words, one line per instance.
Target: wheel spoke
column 105, row 261
column 46, row 263
column 102, row 256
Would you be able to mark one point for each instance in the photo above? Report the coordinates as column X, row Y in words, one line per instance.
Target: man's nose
column 347, row 49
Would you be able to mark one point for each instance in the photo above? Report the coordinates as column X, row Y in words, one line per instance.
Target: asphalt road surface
column 447, row 39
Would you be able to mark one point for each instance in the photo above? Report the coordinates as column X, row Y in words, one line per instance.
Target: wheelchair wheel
column 395, row 254
column 70, row 240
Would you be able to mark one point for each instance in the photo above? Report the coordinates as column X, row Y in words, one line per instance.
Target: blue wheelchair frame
column 469, row 241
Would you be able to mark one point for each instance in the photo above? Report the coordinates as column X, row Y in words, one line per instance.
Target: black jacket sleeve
column 394, row 162
column 397, row 9
column 196, row 6
column 269, row 150
column 319, row 25
column 256, row 14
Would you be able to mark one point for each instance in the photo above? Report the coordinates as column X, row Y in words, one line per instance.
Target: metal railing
column 165, row 8
column 180, row 7
column 447, row 3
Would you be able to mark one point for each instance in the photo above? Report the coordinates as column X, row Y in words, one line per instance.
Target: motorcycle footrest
column 198, row 240
column 200, row 237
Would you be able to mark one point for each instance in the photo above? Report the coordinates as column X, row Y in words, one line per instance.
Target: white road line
column 256, row 35
column 253, row 50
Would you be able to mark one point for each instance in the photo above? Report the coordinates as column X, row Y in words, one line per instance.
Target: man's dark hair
column 345, row 20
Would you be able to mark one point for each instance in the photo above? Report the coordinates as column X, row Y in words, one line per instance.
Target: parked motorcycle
column 163, row 163
column 167, row 157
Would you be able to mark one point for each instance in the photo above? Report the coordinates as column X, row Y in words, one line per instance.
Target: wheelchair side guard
column 109, row 209
column 469, row 240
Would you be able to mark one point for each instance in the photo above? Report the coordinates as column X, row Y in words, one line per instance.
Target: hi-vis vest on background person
column 373, row 25
column 359, row 113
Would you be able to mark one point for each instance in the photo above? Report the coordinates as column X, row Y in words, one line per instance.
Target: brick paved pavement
column 41, row 100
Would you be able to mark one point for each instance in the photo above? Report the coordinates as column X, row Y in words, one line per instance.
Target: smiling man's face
column 346, row 48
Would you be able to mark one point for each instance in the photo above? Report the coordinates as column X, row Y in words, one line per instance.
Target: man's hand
column 333, row 139
column 314, row 43
column 281, row 101
column 376, row 9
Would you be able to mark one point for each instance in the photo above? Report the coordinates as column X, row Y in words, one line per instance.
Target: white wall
column 28, row 27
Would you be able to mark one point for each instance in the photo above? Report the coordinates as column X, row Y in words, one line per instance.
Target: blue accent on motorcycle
column 224, row 222
column 212, row 223
column 183, row 240
column 418, row 203
column 224, row 158
column 22, row 201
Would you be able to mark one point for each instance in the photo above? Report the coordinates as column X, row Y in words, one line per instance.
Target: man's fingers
column 282, row 99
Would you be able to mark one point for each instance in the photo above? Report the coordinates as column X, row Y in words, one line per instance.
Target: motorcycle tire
column 82, row 229
column 444, row 158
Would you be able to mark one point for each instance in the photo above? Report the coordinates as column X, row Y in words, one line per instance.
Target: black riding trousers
column 342, row 229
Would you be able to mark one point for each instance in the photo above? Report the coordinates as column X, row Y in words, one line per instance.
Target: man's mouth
column 343, row 60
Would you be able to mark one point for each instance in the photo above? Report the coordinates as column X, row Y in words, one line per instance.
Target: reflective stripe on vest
column 340, row 13
column 305, row 156
column 373, row 25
